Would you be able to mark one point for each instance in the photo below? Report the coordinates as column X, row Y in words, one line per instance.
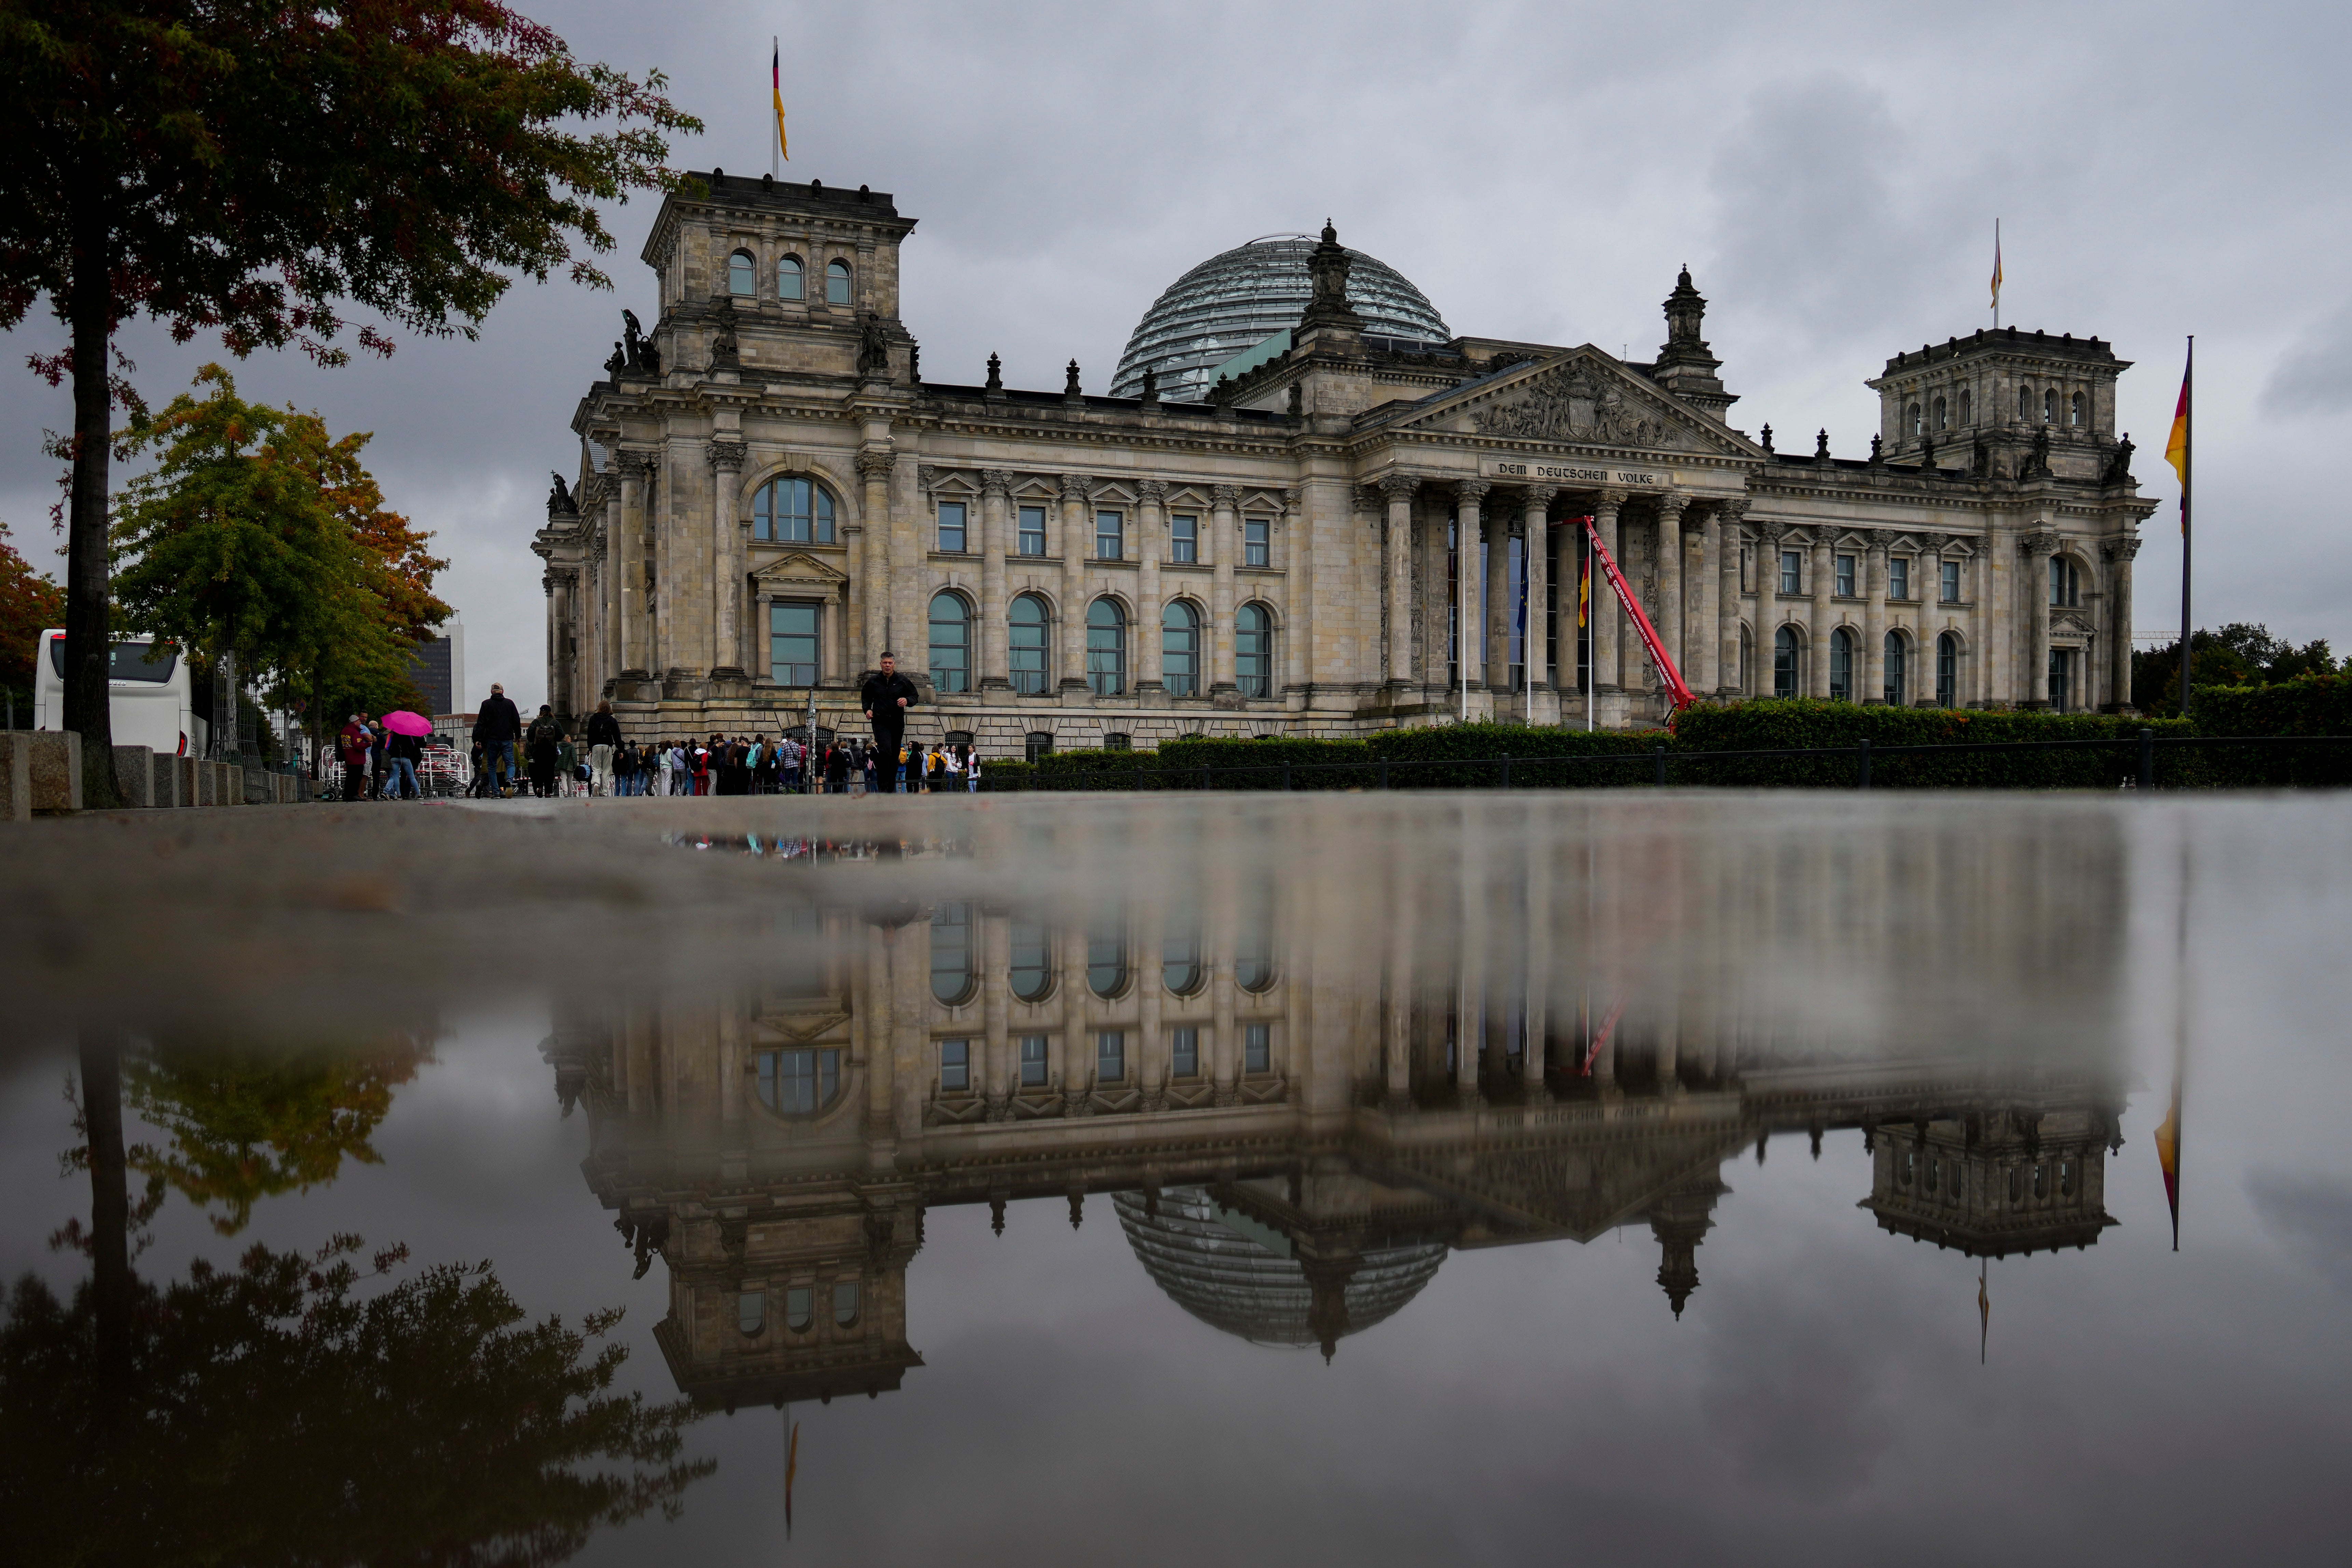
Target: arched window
column 1180, row 956
column 2065, row 582
column 1784, row 662
column 799, row 1083
column 844, row 1303
column 1841, row 666
column 1107, row 958
column 1896, row 694
column 1947, row 670
column 2076, row 411
column 742, row 275
column 1942, row 421
column 1106, row 648
column 1253, row 652
column 1911, row 418
column 800, row 1308
column 836, row 282
column 950, row 642
column 1254, row 941
column 2049, row 406
column 790, row 283
column 1038, row 746
column 1031, row 967
column 1180, row 649
column 1118, row 741
column 1028, row 645
column 751, row 1312
column 951, row 966
column 1964, row 405
column 792, row 511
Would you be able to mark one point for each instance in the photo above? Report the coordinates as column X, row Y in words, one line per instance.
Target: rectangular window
column 951, row 533
column 955, row 1067
column 1184, row 537
column 1951, row 587
column 792, row 643
column 1257, row 1047
column 1032, row 1061
column 1110, row 544
column 1185, row 1052
column 1792, row 572
column 1110, row 1056
column 1257, row 547
column 1845, row 576
column 1033, row 531
column 2059, row 663
column 1899, row 577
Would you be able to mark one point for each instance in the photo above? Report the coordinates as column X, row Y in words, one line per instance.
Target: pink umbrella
column 400, row 721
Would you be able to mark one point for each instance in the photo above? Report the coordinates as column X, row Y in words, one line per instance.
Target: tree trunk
column 89, row 636
column 110, row 1202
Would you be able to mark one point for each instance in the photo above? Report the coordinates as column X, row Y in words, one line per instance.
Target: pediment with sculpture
column 800, row 568
column 1578, row 400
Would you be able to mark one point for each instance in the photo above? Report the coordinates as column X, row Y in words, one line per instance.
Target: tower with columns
column 1356, row 532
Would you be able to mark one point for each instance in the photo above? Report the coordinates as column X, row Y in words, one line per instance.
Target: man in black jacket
column 497, row 727
column 885, row 696
column 603, row 740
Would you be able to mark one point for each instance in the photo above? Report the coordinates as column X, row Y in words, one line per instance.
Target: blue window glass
column 1184, row 1052
column 1032, row 1061
column 792, row 643
column 1256, row 549
column 788, row 280
column 1184, row 537
column 1026, row 644
column 1033, row 531
column 792, row 511
column 1110, row 543
column 1106, row 648
column 836, row 283
column 955, row 1067
column 742, row 274
column 950, row 643
column 952, row 527
column 1253, row 652
column 1180, row 649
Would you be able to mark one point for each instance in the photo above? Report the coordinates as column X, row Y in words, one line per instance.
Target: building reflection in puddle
column 1299, row 1095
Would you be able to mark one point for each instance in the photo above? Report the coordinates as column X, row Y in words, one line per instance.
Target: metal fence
column 1386, row 773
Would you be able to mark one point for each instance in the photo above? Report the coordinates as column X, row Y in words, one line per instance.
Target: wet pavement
column 1369, row 1178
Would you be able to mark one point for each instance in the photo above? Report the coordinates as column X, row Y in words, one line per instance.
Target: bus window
column 131, row 661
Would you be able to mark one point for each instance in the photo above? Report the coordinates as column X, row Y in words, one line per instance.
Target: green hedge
column 2309, row 705
column 1315, row 764
column 1808, row 722
column 1459, row 757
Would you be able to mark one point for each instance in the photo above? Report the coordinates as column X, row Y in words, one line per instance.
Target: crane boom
column 1683, row 696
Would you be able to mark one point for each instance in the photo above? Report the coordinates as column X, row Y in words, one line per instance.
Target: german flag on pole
column 2175, row 449
column 1584, row 595
column 2168, row 1155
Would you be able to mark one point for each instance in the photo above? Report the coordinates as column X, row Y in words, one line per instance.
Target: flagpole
column 1996, row 275
column 776, row 141
column 2189, row 415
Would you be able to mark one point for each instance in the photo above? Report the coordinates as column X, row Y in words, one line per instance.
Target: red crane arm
column 1674, row 678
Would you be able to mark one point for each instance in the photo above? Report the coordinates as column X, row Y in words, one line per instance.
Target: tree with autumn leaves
column 258, row 533
column 255, row 168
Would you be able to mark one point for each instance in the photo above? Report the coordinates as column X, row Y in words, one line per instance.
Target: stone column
column 2118, row 553
column 1538, row 533
column 2037, row 548
column 1223, row 544
column 992, row 659
column 1538, row 947
column 1724, row 535
column 1669, row 625
column 727, row 552
column 1817, row 679
column 1398, row 982
column 1396, row 557
column 1984, row 666
column 874, row 466
column 564, row 656
column 999, row 1072
column 1703, row 636
column 1151, row 529
column 1075, row 537
column 1470, row 565
column 1874, row 617
column 628, row 555
column 1606, row 615
column 669, row 584
column 1497, row 590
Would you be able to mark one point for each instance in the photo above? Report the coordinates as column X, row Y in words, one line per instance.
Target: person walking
column 885, row 696
column 603, row 740
column 972, row 772
column 540, row 742
column 354, row 743
column 405, row 754
column 836, row 769
column 498, row 726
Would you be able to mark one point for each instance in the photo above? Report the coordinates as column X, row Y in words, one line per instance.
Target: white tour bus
column 150, row 697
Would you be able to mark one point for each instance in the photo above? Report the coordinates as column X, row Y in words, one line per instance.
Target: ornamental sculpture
column 1570, row 405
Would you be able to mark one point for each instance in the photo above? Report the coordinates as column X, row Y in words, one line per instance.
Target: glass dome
column 1212, row 1263
column 1233, row 302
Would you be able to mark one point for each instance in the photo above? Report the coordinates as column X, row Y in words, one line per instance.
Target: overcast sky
column 1830, row 172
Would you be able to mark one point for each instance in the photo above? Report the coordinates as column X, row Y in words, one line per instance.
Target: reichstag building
column 1305, row 506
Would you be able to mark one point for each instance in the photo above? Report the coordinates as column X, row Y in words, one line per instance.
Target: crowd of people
column 381, row 764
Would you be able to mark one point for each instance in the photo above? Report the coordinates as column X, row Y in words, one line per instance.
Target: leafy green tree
column 29, row 604
column 246, row 1123
column 258, row 533
column 254, row 169
column 2238, row 654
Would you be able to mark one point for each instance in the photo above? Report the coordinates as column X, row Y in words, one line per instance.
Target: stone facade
column 770, row 494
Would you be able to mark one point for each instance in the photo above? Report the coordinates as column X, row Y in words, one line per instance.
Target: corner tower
column 1986, row 402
